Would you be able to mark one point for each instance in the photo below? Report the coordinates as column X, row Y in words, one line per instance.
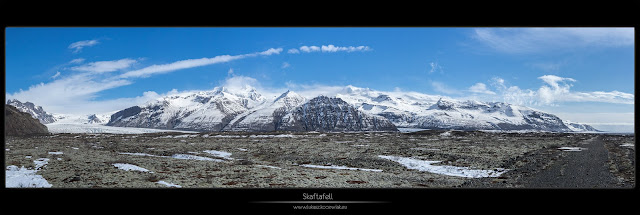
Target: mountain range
column 349, row 109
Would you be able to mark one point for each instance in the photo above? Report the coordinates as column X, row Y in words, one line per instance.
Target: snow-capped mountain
column 200, row 111
column 247, row 110
column 35, row 111
column 577, row 127
column 267, row 117
column 332, row 114
column 416, row 110
column 350, row 109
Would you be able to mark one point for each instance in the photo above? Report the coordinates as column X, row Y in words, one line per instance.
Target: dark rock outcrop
column 17, row 123
column 332, row 114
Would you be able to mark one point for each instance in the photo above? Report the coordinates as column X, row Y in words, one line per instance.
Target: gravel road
column 588, row 165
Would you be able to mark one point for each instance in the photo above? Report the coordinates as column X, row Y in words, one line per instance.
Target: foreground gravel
column 290, row 160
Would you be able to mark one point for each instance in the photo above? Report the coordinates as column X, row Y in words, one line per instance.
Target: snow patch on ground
column 571, row 149
column 271, row 135
column 130, row 167
column 220, row 154
column 40, row 163
column 193, row 157
column 422, row 165
column 340, row 167
column 55, row 153
column 139, row 154
column 169, row 184
column 176, row 156
column 23, row 177
column 267, row 166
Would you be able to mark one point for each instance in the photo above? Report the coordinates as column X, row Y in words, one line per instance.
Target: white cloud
column 67, row 95
column 230, row 72
column 105, row 66
column 533, row 40
column 285, row 65
column 190, row 63
column 309, row 48
column 269, row 52
column 56, row 75
column 79, row 93
column 556, row 90
column 480, row 88
column 76, row 61
column 293, row 51
column 240, row 83
column 435, row 67
column 78, row 46
column 443, row 88
column 330, row 48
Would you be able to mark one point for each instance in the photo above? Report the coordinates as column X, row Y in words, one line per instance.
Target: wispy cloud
column 285, row 65
column 56, row 75
column 191, row 63
column 435, row 67
column 105, row 66
column 78, row 46
column 76, row 61
column 329, row 48
column 79, row 92
column 69, row 94
column 535, row 40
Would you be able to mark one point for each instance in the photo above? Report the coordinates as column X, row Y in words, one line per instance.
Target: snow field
column 26, row 178
column 422, row 165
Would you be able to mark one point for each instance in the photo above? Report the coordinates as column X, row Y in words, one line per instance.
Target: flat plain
column 426, row 159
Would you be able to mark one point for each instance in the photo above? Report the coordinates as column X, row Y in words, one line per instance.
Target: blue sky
column 582, row 74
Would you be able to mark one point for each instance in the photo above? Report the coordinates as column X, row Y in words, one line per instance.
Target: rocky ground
column 321, row 160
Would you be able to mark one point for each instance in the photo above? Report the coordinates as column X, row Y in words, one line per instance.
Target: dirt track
column 589, row 165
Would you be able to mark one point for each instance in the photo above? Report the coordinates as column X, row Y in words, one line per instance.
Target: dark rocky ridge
column 333, row 114
column 35, row 111
column 17, row 123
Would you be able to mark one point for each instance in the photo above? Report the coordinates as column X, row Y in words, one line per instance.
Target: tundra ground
column 320, row 160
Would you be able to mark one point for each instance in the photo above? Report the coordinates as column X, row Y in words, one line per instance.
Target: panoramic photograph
column 319, row 107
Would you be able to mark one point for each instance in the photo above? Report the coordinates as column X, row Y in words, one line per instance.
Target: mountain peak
column 35, row 111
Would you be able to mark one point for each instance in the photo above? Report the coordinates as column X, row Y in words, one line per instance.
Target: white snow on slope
column 340, row 167
column 422, row 165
